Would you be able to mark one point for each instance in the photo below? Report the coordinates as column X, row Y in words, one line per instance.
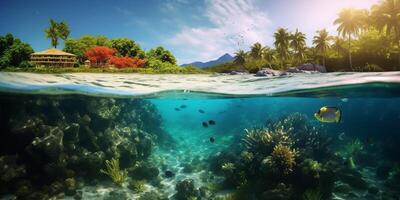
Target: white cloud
column 236, row 25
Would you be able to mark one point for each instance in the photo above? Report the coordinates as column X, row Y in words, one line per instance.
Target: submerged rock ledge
column 140, row 84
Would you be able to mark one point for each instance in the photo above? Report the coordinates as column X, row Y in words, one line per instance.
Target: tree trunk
column 351, row 63
column 398, row 55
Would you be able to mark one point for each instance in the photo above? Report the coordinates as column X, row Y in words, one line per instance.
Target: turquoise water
column 54, row 145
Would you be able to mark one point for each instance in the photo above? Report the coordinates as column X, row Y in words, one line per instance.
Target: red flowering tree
column 124, row 62
column 99, row 55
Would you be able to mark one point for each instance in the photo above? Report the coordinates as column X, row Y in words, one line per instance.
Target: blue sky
column 194, row 30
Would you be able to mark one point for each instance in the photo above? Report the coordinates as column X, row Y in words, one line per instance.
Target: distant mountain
column 223, row 59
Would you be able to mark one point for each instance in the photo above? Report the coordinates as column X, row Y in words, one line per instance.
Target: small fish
column 169, row 174
column 177, row 109
column 201, row 111
column 183, row 106
column 212, row 139
column 211, row 122
column 328, row 115
column 205, row 125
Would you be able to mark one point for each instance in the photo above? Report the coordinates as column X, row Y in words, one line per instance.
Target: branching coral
column 351, row 150
column 282, row 160
column 113, row 170
column 137, row 185
column 262, row 141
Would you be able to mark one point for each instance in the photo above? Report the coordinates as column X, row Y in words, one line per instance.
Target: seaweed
column 113, row 170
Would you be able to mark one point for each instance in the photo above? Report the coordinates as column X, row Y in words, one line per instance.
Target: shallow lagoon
column 61, row 129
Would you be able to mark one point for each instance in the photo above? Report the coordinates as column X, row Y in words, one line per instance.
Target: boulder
column 309, row 67
column 238, row 72
column 270, row 72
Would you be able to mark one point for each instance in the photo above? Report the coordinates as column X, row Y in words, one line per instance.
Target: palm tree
column 282, row 38
column 298, row 43
column 269, row 55
column 350, row 22
column 322, row 43
column 386, row 17
column 240, row 57
column 256, row 50
column 338, row 45
column 52, row 33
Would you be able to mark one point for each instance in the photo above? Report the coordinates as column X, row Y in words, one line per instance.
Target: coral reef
column 280, row 161
column 53, row 145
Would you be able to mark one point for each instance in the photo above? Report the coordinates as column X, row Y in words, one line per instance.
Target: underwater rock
column 144, row 170
column 204, row 192
column 152, row 196
column 70, row 186
column 281, row 192
column 24, row 189
column 343, row 188
column 9, row 169
column 71, row 132
column 104, row 108
column 117, row 195
column 373, row 190
column 56, row 188
column 186, row 190
column 354, row 179
column 51, row 143
column 187, row 168
column 383, row 170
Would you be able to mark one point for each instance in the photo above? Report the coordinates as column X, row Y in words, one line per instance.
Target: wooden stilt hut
column 53, row 57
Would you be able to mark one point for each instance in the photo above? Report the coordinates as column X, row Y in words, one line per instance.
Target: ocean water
column 185, row 138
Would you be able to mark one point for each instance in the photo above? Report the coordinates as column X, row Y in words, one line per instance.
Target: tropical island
column 367, row 40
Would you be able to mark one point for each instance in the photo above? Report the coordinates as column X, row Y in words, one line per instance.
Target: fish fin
column 338, row 115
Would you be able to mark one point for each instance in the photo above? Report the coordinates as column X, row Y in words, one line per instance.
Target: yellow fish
column 328, row 114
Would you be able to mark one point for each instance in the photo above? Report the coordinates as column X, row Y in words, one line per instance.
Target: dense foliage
column 127, row 47
column 80, row 45
column 99, row 55
column 127, row 54
column 368, row 40
column 162, row 54
column 126, row 62
column 13, row 52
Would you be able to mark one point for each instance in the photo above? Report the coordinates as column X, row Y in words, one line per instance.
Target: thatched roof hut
column 54, row 57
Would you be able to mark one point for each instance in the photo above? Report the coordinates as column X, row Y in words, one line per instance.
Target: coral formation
column 282, row 160
column 113, row 170
column 54, row 145
column 274, row 159
column 136, row 185
column 185, row 190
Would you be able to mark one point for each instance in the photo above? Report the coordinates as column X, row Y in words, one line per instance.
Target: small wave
column 382, row 84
